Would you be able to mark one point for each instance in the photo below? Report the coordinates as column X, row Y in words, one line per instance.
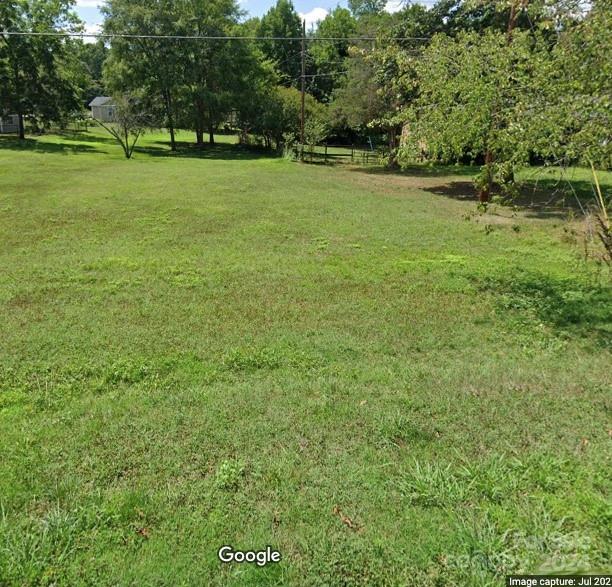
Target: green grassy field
column 353, row 367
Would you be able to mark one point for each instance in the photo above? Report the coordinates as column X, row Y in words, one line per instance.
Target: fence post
column 352, row 153
column 325, row 152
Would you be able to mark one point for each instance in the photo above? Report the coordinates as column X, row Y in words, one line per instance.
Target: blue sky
column 311, row 10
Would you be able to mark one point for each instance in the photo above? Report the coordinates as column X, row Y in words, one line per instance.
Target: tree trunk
column 172, row 137
column 393, row 146
column 200, row 123
column 168, row 104
column 211, row 128
column 199, row 136
column 511, row 21
column 126, row 143
column 21, row 126
column 17, row 82
column 485, row 192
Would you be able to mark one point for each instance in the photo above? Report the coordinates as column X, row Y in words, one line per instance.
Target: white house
column 102, row 109
column 9, row 124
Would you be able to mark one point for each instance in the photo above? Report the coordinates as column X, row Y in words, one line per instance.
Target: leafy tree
column 571, row 114
column 509, row 95
column 282, row 20
column 361, row 8
column 508, row 15
column 329, row 56
column 131, row 119
column 393, row 61
column 473, row 94
column 193, row 82
column 93, row 56
column 39, row 75
column 357, row 101
column 277, row 117
column 213, row 78
column 316, row 130
column 152, row 67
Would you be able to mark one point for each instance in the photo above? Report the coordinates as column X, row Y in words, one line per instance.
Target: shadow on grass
column 537, row 198
column 552, row 193
column 219, row 151
column 457, row 190
column 36, row 146
column 86, row 137
column 423, row 171
column 567, row 306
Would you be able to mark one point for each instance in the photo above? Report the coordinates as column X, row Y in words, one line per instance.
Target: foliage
column 366, row 7
column 130, row 120
column 571, row 112
column 93, row 56
column 277, row 117
column 153, row 68
column 282, row 20
column 474, row 96
column 195, row 83
column 357, row 101
column 39, row 76
column 329, row 57
column 507, row 98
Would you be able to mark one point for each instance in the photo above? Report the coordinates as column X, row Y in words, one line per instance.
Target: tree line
column 499, row 83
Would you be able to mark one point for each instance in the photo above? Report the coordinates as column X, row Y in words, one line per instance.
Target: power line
column 198, row 37
column 330, row 74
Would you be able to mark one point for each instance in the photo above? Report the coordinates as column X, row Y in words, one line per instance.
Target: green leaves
column 515, row 98
column 39, row 76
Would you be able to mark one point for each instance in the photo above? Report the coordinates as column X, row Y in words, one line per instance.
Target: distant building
column 102, row 109
column 9, row 124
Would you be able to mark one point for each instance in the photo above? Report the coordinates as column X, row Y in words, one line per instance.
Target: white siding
column 103, row 113
column 9, row 124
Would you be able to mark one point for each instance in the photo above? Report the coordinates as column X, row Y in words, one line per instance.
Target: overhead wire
column 197, row 37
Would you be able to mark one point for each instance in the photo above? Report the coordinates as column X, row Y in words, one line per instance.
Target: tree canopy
column 280, row 22
column 500, row 83
column 39, row 76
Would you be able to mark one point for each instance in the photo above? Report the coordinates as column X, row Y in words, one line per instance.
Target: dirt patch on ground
column 385, row 181
column 532, row 200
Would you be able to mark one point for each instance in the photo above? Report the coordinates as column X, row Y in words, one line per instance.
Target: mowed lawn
column 352, row 367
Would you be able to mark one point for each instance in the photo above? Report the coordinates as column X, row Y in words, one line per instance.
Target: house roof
column 100, row 101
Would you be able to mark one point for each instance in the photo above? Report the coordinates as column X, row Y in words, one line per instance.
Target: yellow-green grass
column 221, row 347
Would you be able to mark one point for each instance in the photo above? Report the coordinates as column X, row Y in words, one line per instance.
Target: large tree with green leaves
column 357, row 101
column 40, row 76
column 194, row 81
column 93, row 56
column 283, row 22
column 366, row 7
column 276, row 118
column 571, row 112
column 474, row 91
column 154, row 67
column 504, row 96
column 216, row 70
column 329, row 56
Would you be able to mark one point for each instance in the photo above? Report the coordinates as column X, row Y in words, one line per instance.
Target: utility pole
column 303, row 106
